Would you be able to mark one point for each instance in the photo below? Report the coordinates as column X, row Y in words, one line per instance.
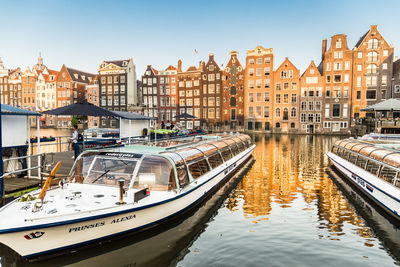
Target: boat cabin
column 157, row 167
column 381, row 162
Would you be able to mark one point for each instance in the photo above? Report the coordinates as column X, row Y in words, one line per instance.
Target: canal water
column 286, row 208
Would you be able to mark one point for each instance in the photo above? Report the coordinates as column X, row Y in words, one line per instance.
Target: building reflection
column 289, row 167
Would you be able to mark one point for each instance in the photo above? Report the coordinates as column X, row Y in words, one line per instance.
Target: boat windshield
column 156, row 173
column 108, row 170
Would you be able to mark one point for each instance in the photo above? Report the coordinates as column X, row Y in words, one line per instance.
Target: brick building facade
column 233, row 93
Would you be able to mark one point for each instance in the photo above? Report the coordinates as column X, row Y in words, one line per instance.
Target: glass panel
column 353, row 158
column 199, row 168
column 207, row 149
column 155, row 172
column 234, row 149
column 361, row 162
column 372, row 167
column 183, row 176
column 387, row 174
column 226, row 154
column 108, row 170
column 215, row 160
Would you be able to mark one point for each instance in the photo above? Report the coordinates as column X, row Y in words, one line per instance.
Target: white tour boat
column 121, row 190
column 373, row 168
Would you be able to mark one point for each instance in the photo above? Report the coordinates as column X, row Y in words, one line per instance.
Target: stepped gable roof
column 361, row 39
column 118, row 62
column 80, row 76
column 170, row 67
column 396, row 66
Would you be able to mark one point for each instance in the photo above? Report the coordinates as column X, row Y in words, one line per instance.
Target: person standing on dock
column 75, row 136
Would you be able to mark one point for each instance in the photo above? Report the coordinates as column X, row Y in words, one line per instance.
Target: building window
column 293, row 112
column 371, row 81
column 277, row 112
column 372, row 68
column 371, row 94
column 373, row 43
column 266, row 112
column 337, row 78
column 359, row 54
column 266, row 96
column 303, row 118
column 336, row 110
column 397, row 88
column 372, row 56
column 278, row 99
column 278, row 86
column 294, row 98
column 385, row 53
column 384, row 80
column 327, row 107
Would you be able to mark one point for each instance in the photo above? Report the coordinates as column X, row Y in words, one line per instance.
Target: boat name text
column 85, row 227
column 123, row 219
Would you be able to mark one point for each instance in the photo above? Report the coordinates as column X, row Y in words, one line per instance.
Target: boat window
column 198, row 168
column 397, row 183
column 183, row 176
column 353, row 158
column 226, row 154
column 156, row 173
column 215, row 160
column 339, row 151
column 361, row 162
column 387, row 174
column 345, row 154
column 334, row 150
column 241, row 146
column 234, row 149
column 372, row 167
column 108, row 170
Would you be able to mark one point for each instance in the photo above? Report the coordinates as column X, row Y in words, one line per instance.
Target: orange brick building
column 286, row 95
column 337, row 72
column 372, row 71
column 258, row 89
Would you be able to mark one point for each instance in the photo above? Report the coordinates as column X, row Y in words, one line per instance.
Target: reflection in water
column 288, row 210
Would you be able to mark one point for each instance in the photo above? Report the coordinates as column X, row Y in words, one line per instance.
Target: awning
column 185, row 116
column 10, row 110
column 131, row 116
column 82, row 108
column 387, row 105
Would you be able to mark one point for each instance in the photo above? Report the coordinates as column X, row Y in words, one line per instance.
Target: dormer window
column 83, row 77
column 124, row 64
column 76, row 76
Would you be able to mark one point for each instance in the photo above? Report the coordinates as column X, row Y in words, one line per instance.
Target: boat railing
column 379, row 168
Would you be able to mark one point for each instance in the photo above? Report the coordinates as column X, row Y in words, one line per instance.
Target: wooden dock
column 15, row 184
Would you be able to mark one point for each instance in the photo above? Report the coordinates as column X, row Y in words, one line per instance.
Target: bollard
column 121, row 192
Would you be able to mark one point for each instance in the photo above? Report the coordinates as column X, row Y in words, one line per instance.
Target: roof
column 321, row 67
column 361, row 39
column 9, row 110
column 80, row 76
column 154, row 70
column 51, row 72
column 192, row 68
column 387, row 105
column 131, row 116
column 118, row 62
column 170, row 67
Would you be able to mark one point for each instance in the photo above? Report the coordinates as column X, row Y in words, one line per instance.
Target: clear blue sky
column 83, row 33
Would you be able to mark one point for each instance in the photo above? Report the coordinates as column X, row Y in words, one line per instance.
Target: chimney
column 324, row 43
column 179, row 65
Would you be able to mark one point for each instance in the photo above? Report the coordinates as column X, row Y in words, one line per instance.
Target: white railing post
column 29, row 146
column 38, row 148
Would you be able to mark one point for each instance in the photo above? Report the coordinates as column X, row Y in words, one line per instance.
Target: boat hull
column 377, row 190
column 46, row 239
